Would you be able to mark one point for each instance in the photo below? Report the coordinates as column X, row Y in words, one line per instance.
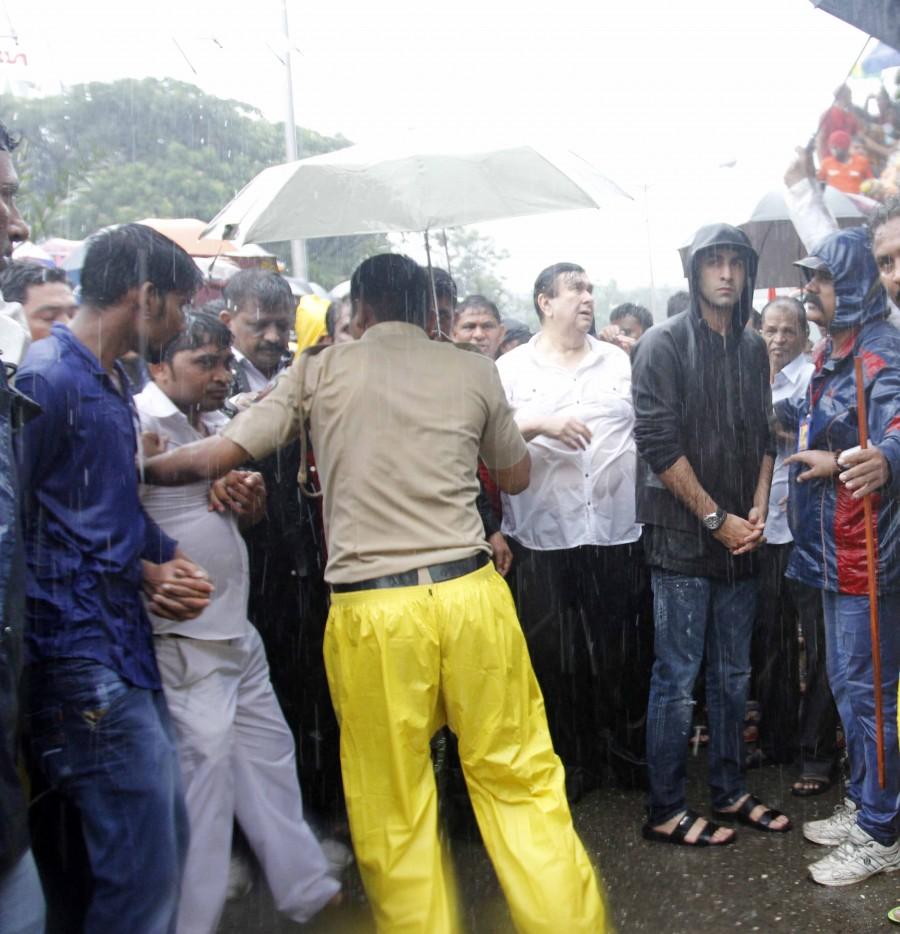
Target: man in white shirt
column 788, row 719
column 580, row 580
column 236, row 751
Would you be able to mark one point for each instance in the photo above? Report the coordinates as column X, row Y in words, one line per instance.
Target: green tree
column 475, row 262
column 101, row 154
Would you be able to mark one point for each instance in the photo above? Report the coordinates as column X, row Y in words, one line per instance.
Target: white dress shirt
column 789, row 383
column 211, row 539
column 576, row 497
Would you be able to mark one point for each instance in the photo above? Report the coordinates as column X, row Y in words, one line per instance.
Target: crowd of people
column 858, row 148
column 272, row 602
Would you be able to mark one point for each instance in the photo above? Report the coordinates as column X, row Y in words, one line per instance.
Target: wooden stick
column 872, row 568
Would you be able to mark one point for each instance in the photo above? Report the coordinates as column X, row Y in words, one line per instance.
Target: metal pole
column 298, row 247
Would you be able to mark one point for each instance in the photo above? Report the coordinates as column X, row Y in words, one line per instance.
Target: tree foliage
column 108, row 153
column 475, row 262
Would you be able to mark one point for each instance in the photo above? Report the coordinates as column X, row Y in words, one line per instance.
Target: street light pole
column 298, row 247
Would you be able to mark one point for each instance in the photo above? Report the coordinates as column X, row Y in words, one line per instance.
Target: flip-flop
column 821, row 785
column 681, row 829
column 742, row 816
column 894, row 915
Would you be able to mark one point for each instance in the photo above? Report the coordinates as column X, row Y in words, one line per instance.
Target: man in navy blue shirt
column 99, row 725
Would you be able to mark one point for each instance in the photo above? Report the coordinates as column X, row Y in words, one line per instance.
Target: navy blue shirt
column 85, row 529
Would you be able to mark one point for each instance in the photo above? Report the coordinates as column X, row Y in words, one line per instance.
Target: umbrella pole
column 447, row 252
column 872, row 570
column 437, row 316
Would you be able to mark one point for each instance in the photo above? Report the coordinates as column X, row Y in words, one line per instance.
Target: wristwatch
column 715, row 520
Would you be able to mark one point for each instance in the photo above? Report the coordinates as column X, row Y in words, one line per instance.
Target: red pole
column 872, row 569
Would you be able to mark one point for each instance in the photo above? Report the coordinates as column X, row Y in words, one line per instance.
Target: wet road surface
column 758, row 884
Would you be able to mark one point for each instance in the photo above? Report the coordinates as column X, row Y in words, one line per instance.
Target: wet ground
column 758, row 884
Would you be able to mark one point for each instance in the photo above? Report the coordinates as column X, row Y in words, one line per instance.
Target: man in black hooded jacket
column 702, row 401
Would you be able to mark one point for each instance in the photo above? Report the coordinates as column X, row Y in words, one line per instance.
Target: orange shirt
column 845, row 176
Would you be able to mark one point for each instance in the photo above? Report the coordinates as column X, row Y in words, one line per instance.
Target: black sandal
column 681, row 830
column 742, row 816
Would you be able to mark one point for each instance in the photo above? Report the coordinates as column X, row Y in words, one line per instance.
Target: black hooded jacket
column 707, row 398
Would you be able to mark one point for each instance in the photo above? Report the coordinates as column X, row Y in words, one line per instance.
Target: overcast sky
column 658, row 94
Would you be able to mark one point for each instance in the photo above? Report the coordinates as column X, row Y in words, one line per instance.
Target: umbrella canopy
column 187, row 232
column 775, row 239
column 883, row 57
column 365, row 189
column 879, row 18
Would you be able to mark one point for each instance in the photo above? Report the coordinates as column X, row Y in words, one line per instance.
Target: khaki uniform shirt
column 397, row 423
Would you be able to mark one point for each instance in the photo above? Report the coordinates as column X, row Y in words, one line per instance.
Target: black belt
column 437, row 572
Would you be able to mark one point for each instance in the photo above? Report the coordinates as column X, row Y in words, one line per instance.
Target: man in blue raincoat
column 845, row 298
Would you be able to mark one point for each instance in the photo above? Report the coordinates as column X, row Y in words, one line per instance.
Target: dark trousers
column 587, row 617
column 792, row 724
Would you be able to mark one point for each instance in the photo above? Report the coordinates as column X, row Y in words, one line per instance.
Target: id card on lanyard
column 803, row 433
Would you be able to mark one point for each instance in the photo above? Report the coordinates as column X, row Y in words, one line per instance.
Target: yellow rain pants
column 400, row 664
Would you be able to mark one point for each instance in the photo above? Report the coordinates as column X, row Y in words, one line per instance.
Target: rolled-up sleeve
column 656, row 396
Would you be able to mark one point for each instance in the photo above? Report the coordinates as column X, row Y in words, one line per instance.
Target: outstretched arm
column 208, row 459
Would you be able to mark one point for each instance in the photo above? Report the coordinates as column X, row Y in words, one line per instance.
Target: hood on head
column 859, row 295
column 720, row 235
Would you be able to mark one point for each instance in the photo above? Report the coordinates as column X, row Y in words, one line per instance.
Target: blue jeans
column 697, row 616
column 107, row 746
column 848, row 648
column 21, row 899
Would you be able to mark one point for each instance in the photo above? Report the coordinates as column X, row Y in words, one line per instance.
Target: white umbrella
column 365, row 189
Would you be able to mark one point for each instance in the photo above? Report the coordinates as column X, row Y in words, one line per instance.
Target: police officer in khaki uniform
column 422, row 630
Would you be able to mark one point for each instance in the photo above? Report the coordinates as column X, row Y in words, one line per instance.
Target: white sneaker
column 338, row 855
column 833, row 830
column 857, row 858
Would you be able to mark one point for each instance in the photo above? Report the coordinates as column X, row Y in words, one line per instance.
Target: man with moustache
column 790, row 722
column 826, row 511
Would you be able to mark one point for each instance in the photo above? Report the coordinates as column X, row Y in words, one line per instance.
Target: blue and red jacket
column 827, row 523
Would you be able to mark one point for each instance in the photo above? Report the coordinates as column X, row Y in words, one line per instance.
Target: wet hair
column 213, row 306
column 547, row 280
column 677, row 303
column 638, row 312
column 200, row 328
column 19, row 275
column 444, row 286
column 8, row 140
column 787, row 303
column 393, row 286
column 888, row 211
column 333, row 313
column 122, row 258
column 478, row 303
column 271, row 291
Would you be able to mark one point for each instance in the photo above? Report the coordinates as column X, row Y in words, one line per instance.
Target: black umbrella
column 776, row 241
column 879, row 18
